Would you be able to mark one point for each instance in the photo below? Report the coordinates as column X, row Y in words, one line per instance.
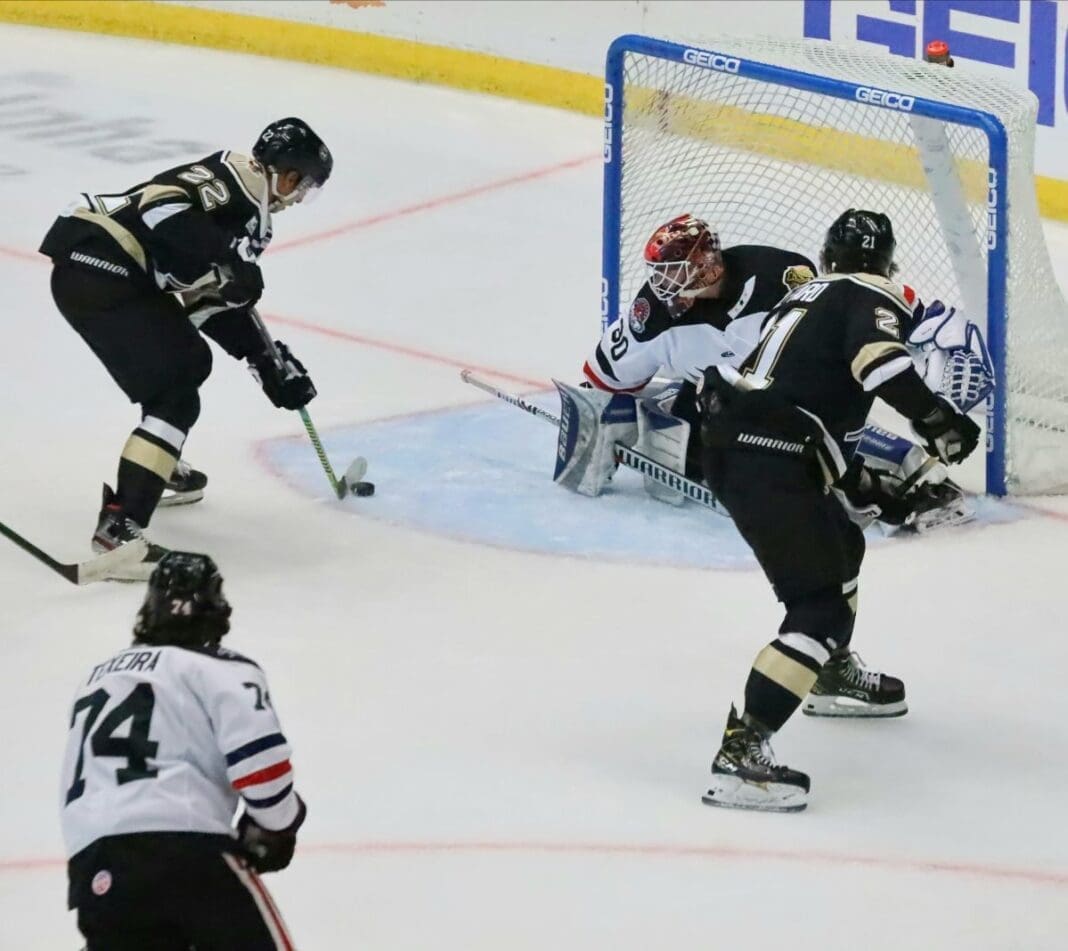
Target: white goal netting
column 769, row 163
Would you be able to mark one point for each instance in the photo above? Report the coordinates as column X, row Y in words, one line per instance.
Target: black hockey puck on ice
column 363, row 488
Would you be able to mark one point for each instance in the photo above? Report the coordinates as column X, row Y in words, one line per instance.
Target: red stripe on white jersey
column 264, row 775
column 601, row 385
column 272, row 918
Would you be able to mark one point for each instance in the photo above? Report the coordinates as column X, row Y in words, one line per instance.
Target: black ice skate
column 185, row 485
column 846, row 688
column 746, row 776
column 115, row 529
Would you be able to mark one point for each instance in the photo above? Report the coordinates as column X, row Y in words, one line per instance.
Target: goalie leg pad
column 664, row 438
column 591, row 423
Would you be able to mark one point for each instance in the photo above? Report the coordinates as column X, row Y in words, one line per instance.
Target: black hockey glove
column 240, row 282
column 948, row 433
column 873, row 493
column 287, row 386
column 267, row 850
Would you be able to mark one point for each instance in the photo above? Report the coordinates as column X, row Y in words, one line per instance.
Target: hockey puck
column 363, row 488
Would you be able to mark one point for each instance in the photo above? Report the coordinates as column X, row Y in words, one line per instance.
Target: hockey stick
column 351, row 481
column 625, row 456
column 85, row 572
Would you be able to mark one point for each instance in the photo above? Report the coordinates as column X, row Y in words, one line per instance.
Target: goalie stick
column 99, row 568
column 625, row 456
column 351, row 480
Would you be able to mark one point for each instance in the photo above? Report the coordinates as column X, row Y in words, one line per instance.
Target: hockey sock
column 781, row 678
column 147, row 462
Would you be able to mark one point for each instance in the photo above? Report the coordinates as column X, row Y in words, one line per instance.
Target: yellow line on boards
column 363, row 52
column 322, row 45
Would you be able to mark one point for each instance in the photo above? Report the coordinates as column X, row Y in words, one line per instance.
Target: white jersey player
column 701, row 306
column 167, row 739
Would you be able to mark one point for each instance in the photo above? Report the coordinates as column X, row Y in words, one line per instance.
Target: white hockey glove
column 591, row 423
column 952, row 356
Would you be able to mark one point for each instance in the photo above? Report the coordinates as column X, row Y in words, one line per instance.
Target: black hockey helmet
column 184, row 604
column 859, row 241
column 290, row 145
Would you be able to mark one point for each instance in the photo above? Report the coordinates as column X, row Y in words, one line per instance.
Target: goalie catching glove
column 287, row 384
column 269, row 850
column 952, row 357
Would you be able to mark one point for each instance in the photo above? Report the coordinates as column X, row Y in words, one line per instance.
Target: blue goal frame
column 700, row 58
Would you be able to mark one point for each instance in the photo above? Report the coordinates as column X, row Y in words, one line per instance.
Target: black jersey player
column 168, row 737
column 780, row 433
column 141, row 274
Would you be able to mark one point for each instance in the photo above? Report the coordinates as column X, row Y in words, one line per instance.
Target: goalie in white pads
column 703, row 306
column 167, row 738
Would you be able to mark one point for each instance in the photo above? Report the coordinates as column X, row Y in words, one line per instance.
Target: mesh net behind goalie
column 767, row 163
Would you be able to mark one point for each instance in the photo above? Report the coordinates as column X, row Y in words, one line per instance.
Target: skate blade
column 848, row 707
column 171, row 499
column 730, row 792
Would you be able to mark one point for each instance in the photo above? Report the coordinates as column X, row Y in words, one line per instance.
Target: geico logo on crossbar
column 880, row 97
column 725, row 64
column 992, row 208
column 609, row 98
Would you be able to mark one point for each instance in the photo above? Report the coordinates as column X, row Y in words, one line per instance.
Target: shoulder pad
column 796, row 275
column 898, row 293
column 248, row 173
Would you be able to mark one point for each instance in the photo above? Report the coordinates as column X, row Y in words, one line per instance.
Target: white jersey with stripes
column 173, row 739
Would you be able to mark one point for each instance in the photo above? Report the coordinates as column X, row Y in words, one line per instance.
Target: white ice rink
column 501, row 748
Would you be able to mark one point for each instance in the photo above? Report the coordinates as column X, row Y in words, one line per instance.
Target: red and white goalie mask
column 683, row 257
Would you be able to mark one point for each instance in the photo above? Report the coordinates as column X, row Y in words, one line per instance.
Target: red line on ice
column 1035, row 876
column 432, row 203
column 404, row 350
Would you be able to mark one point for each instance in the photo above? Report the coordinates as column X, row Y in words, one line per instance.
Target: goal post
column 770, row 140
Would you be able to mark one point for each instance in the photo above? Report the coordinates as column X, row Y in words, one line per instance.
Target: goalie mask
column 184, row 605
column 682, row 258
column 290, row 145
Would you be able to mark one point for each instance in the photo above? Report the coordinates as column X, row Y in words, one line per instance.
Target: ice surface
column 499, row 747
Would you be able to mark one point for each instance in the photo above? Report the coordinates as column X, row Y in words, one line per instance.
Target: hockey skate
column 846, row 688
column 746, row 776
column 115, row 529
column 185, row 485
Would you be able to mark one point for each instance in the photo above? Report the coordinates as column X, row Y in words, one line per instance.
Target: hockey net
column 767, row 161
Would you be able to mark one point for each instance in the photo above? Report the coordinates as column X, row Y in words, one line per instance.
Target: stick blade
column 355, row 472
column 103, row 567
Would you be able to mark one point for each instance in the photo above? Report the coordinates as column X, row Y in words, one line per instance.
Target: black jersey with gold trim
column 172, row 229
column 828, row 346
